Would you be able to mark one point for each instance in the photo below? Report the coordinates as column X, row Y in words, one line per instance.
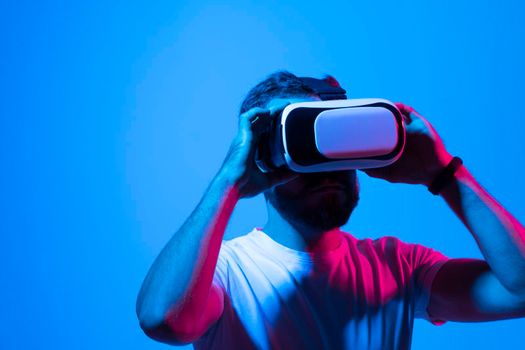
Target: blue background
column 116, row 115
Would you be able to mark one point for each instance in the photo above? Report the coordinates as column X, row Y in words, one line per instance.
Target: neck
column 300, row 237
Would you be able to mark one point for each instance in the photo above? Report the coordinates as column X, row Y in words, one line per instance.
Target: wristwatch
column 445, row 176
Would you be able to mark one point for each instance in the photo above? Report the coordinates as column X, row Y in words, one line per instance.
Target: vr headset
column 332, row 134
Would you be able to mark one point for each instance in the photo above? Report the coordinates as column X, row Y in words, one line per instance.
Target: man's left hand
column 424, row 155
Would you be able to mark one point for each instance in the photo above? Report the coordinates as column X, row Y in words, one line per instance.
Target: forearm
column 500, row 237
column 180, row 278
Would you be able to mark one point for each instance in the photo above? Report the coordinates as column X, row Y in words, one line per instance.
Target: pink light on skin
column 204, row 294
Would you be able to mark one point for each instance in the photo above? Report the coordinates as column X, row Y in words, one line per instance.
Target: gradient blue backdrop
column 116, row 115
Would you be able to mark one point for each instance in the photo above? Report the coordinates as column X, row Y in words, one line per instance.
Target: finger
column 245, row 118
column 404, row 107
column 251, row 114
column 406, row 111
column 410, row 112
column 260, row 122
column 417, row 121
column 260, row 118
column 252, row 121
column 278, row 108
column 265, row 119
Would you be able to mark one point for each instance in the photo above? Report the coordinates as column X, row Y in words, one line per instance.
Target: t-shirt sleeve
column 424, row 264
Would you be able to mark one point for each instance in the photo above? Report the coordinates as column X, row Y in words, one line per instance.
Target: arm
column 477, row 290
column 465, row 289
column 178, row 302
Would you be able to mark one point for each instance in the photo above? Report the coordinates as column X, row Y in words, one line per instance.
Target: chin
column 318, row 210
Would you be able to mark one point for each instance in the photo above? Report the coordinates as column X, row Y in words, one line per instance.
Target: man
column 302, row 283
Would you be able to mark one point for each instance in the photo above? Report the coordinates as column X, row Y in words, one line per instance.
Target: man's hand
column 424, row 155
column 239, row 166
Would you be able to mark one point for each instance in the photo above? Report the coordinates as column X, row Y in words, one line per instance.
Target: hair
column 278, row 84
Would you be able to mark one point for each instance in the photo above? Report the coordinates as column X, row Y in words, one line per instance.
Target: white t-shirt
column 364, row 294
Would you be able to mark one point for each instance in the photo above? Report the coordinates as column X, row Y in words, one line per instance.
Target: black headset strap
column 324, row 89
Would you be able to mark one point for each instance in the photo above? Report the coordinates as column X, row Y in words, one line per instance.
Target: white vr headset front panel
column 355, row 132
column 343, row 133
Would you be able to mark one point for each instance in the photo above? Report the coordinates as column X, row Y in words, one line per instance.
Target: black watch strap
column 445, row 176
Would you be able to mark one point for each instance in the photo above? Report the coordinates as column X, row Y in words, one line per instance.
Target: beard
column 319, row 211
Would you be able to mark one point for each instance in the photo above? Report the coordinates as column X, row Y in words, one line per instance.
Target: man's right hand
column 239, row 166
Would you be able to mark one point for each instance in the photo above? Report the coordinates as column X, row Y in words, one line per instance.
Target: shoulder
column 235, row 244
column 391, row 243
column 380, row 244
column 237, row 249
column 391, row 247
